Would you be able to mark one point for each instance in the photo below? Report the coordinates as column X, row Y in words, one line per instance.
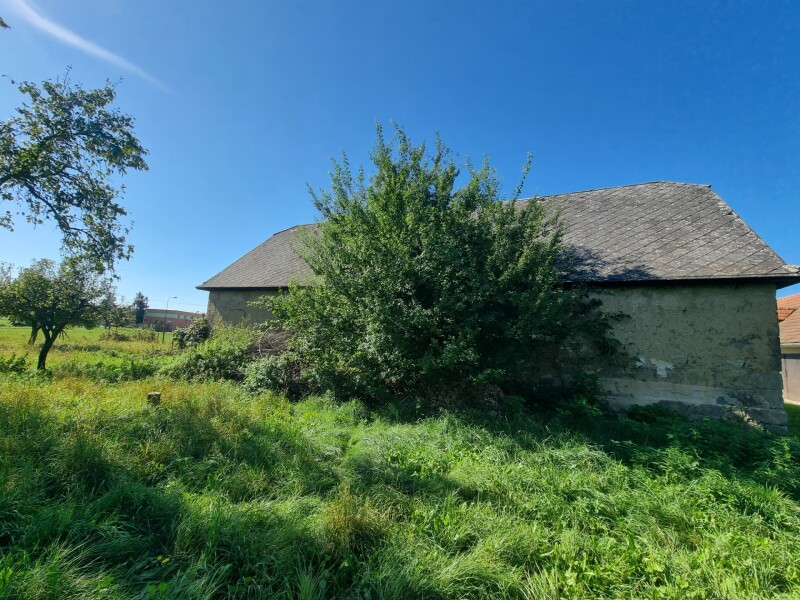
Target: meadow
column 215, row 492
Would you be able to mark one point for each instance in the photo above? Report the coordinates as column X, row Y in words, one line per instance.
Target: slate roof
column 658, row 231
column 663, row 231
column 790, row 324
column 271, row 264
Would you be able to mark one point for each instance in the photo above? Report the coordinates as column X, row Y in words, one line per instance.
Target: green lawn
column 79, row 347
column 793, row 410
column 215, row 493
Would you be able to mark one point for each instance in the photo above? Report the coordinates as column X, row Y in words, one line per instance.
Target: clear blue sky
column 242, row 104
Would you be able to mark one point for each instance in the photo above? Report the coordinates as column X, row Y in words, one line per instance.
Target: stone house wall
column 231, row 306
column 702, row 348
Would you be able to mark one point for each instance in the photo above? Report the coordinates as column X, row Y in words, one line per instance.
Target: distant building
column 789, row 319
column 171, row 320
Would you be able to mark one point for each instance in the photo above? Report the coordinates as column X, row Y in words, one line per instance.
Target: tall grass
column 214, row 492
column 217, row 493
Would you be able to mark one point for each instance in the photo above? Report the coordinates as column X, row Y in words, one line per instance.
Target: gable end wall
column 703, row 349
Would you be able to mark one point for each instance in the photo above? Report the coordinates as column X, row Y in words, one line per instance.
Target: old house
column 697, row 284
column 789, row 323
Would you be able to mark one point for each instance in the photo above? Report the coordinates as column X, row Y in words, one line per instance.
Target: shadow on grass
column 80, row 517
column 646, row 437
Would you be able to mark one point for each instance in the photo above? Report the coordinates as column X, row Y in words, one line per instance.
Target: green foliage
column 793, row 411
column 60, row 159
column 422, row 284
column 277, row 373
column 117, row 336
column 196, row 333
column 13, row 364
column 219, row 493
column 223, row 356
column 110, row 368
column 113, row 313
column 146, row 334
column 50, row 297
column 139, row 307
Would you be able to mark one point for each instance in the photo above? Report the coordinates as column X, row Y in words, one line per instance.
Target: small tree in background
column 51, row 297
column 139, row 306
column 113, row 313
column 424, row 285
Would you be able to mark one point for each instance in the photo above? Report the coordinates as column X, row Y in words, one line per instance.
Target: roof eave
column 217, row 288
column 779, row 280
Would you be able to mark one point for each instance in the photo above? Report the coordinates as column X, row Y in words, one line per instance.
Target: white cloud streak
column 64, row 35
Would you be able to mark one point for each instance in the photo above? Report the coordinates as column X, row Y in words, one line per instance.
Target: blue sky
column 242, row 104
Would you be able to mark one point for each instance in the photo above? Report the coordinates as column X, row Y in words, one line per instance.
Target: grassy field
column 216, row 493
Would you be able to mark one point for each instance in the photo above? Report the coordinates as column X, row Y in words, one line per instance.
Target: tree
column 423, row 286
column 139, row 306
column 51, row 297
column 113, row 313
column 60, row 158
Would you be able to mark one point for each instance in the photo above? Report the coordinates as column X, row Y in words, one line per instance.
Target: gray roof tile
column 645, row 232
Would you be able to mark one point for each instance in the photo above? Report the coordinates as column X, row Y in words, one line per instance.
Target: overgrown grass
column 217, row 493
column 793, row 410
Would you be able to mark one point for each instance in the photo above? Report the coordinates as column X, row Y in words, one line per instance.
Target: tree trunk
column 48, row 343
column 34, row 335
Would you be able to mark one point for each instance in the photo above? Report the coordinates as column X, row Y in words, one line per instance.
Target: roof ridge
column 292, row 227
column 617, row 187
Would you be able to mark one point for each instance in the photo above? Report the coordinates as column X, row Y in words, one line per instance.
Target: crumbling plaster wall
column 231, row 306
column 703, row 349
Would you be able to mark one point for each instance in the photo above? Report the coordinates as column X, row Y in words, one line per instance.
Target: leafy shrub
column 223, row 356
column 114, row 336
column 422, row 285
column 196, row 333
column 111, row 369
column 276, row 373
column 146, row 334
column 13, row 364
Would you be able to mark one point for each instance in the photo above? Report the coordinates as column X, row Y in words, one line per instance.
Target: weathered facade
column 789, row 319
column 696, row 283
column 235, row 306
column 704, row 349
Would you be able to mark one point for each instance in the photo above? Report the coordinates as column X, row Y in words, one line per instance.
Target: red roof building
column 789, row 323
column 170, row 320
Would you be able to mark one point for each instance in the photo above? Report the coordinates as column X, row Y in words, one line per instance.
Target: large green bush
column 223, row 356
column 423, row 284
column 275, row 373
column 196, row 333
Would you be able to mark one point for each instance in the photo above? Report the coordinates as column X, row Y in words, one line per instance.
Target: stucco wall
column 702, row 349
column 230, row 306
